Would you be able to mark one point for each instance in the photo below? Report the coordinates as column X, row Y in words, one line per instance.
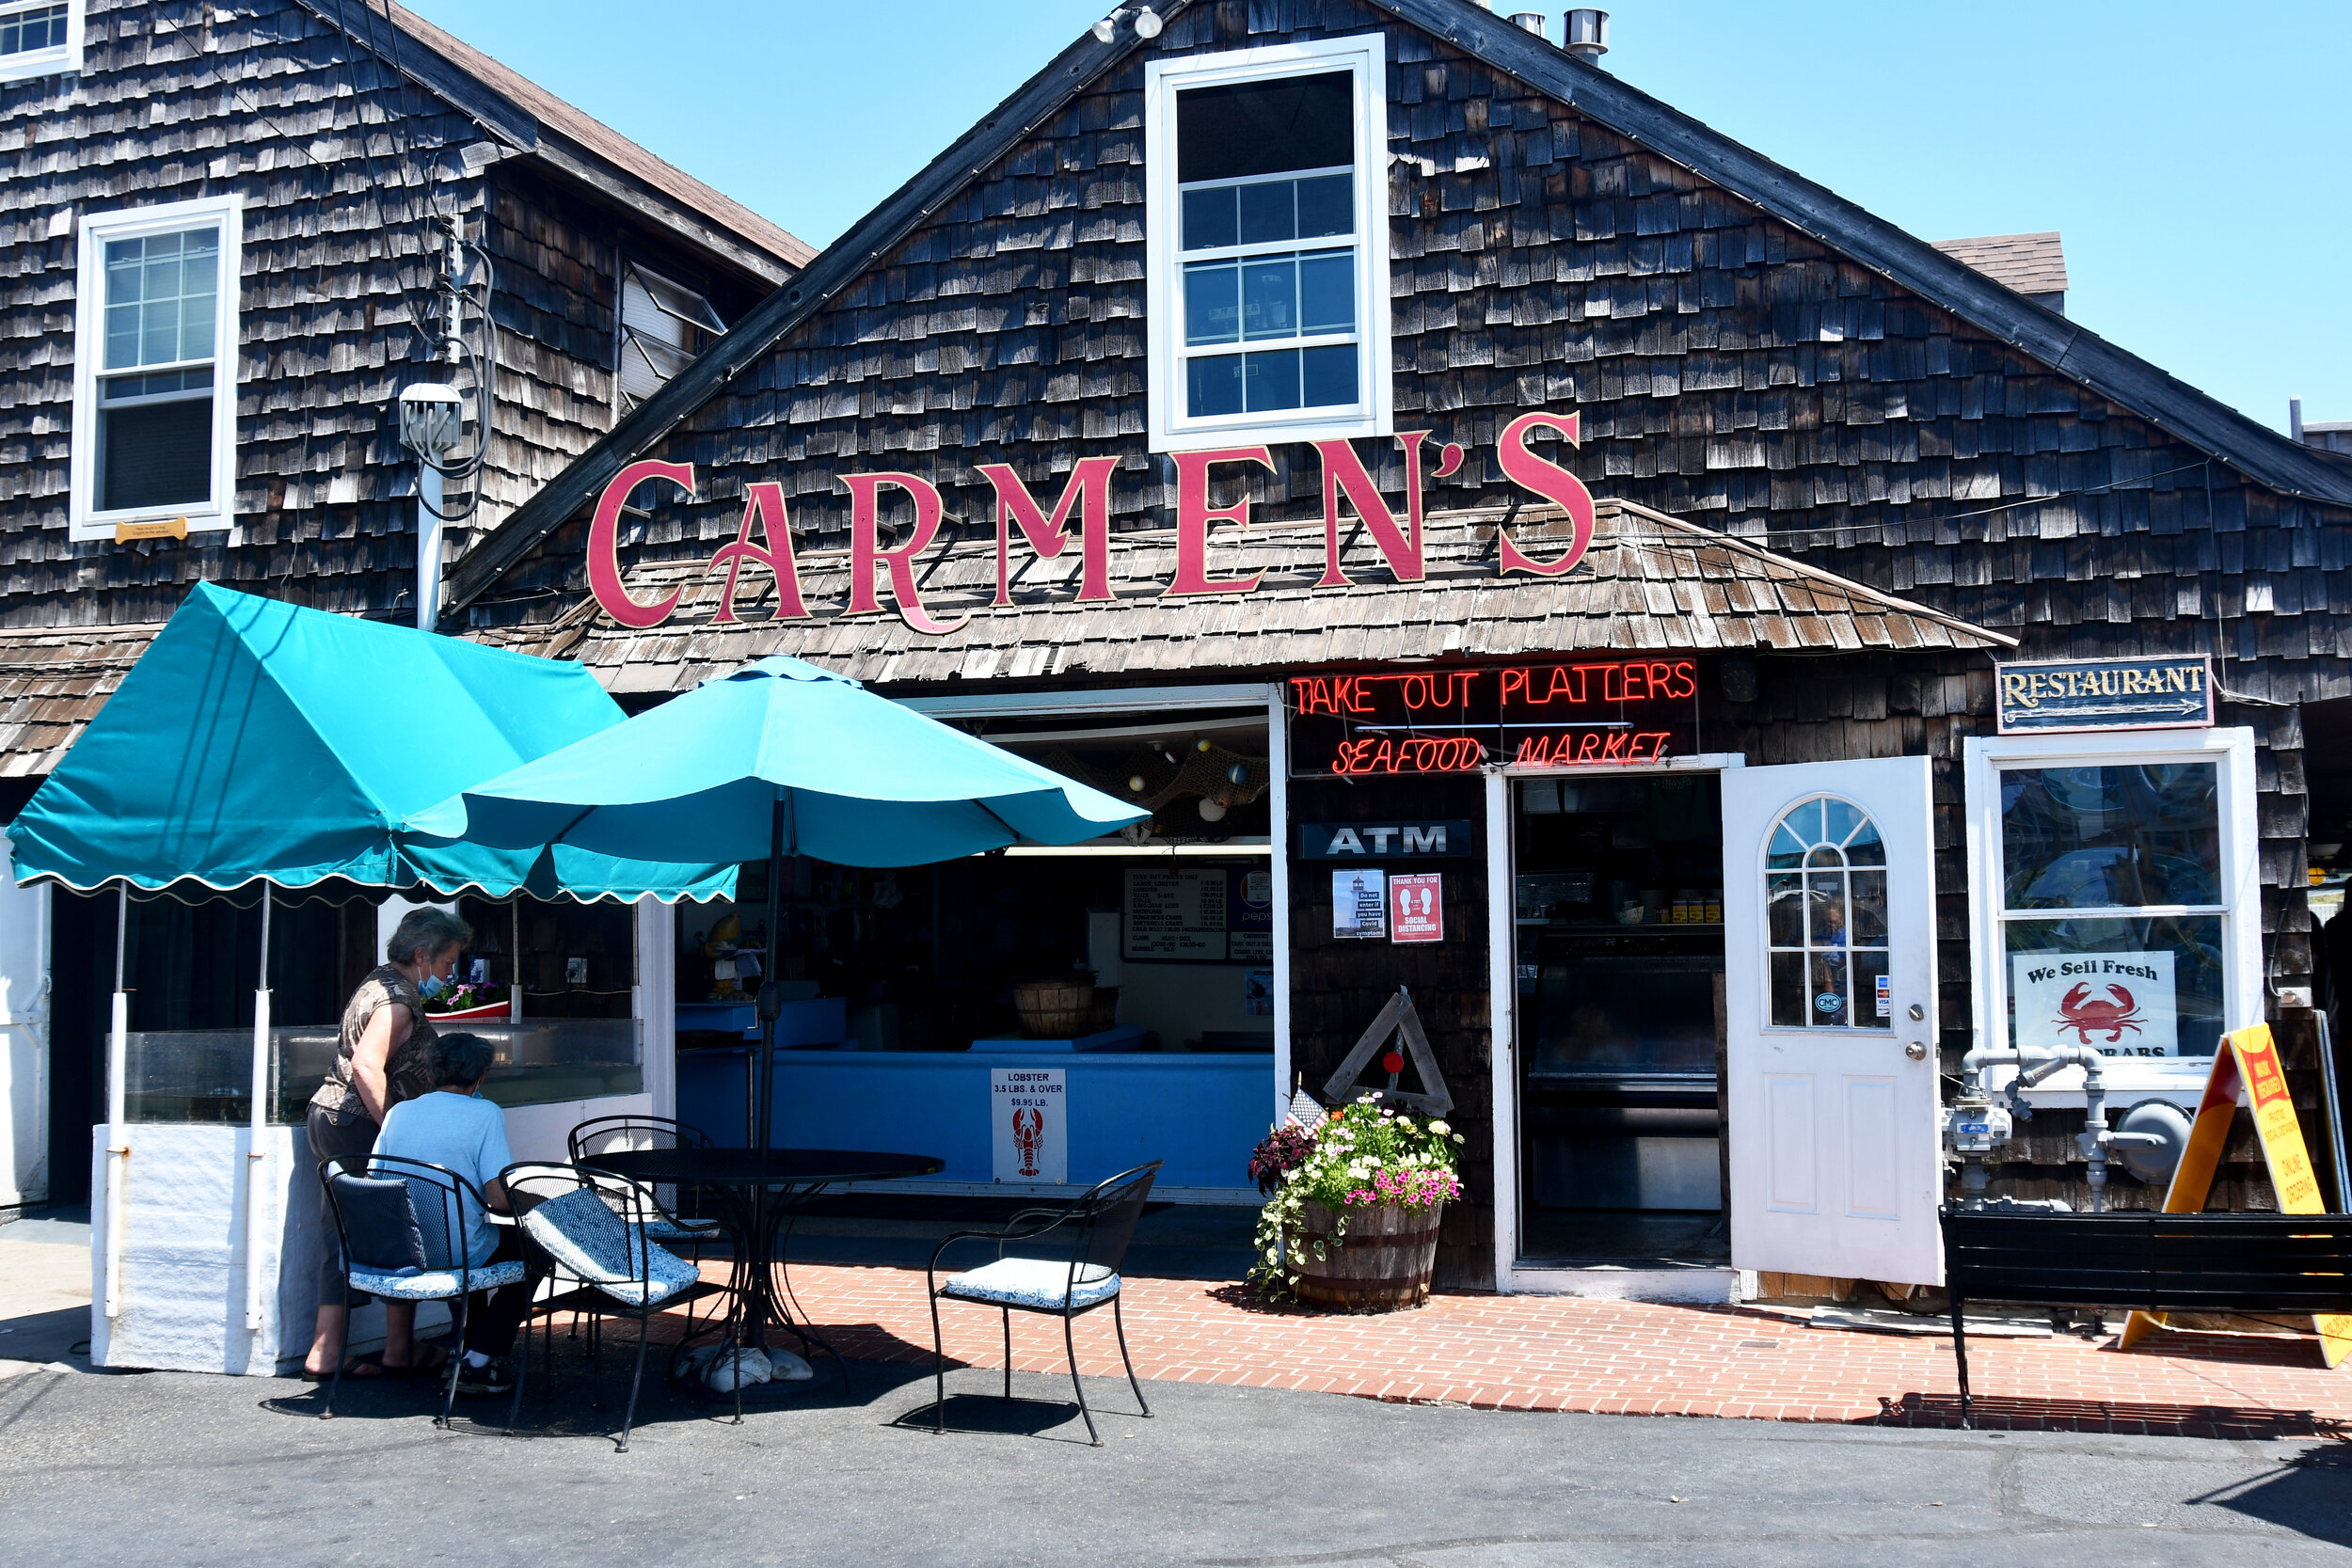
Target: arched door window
column 1825, row 892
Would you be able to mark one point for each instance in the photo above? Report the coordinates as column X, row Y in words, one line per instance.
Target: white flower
column 1440, row 1128
column 1406, row 1122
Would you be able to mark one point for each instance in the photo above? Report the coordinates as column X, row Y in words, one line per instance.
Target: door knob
column 1916, row 1051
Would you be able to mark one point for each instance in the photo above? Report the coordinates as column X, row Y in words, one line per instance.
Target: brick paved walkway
column 1559, row 1353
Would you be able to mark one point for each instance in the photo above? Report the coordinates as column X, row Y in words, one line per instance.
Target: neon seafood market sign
column 764, row 538
column 1413, row 719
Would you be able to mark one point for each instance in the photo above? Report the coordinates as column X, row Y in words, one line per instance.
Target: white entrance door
column 1829, row 963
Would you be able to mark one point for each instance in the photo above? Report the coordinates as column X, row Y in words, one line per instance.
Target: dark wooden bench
column 2288, row 1263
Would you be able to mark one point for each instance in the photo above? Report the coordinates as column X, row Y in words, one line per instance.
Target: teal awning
column 257, row 741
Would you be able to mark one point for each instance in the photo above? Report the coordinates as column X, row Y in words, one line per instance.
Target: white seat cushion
column 1038, row 1283
column 435, row 1284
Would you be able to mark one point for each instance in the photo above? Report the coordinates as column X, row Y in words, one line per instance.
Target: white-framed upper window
column 2115, row 897
column 155, row 367
column 1267, row 289
column 39, row 38
column 663, row 326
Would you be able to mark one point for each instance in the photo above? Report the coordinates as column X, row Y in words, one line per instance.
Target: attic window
column 1269, row 264
column 664, row 325
column 39, row 38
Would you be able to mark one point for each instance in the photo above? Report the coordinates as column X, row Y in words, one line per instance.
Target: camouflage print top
column 408, row 1072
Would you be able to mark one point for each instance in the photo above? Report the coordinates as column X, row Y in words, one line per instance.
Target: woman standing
column 385, row 1056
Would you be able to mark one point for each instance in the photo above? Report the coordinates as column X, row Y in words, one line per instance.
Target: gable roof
column 2030, row 263
column 1649, row 583
column 532, row 121
column 2181, row 410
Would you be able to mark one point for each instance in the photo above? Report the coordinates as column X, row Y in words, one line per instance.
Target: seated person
column 454, row 1128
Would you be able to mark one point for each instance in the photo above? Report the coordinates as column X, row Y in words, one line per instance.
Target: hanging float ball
column 1239, row 773
column 1201, row 745
column 1212, row 811
column 1135, row 781
column 1392, row 1062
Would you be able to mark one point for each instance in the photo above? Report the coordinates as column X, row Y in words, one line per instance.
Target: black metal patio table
column 759, row 1193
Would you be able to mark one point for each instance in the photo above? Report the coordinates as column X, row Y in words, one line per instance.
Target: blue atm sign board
column 2059, row 696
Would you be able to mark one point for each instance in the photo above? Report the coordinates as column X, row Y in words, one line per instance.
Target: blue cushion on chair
column 588, row 1239
column 434, row 1284
column 1039, row 1283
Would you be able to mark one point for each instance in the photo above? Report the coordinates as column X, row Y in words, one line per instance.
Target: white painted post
column 117, row 1122
column 1277, row 829
column 1502, row 1017
column 257, row 1152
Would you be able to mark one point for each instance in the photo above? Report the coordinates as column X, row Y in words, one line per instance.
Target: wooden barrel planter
column 1382, row 1264
column 1057, row 1007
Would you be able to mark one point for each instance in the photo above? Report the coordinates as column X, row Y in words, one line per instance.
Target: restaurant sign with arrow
column 2057, row 695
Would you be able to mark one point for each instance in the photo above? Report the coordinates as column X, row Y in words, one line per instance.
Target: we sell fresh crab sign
column 2118, row 1004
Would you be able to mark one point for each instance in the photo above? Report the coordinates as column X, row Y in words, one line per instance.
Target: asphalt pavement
column 180, row 1469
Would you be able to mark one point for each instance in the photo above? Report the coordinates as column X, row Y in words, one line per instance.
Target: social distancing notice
column 2248, row 1059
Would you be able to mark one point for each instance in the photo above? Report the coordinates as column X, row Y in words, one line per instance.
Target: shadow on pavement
column 2310, row 1494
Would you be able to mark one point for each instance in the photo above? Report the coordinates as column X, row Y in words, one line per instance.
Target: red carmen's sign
column 1552, row 715
column 764, row 537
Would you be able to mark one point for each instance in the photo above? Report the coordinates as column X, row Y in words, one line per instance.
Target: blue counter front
column 1201, row 1114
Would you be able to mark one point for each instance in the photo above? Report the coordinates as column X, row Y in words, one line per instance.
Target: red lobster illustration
column 2078, row 1012
column 1028, row 1136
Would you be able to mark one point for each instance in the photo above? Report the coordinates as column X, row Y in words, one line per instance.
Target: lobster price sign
column 2118, row 1004
column 1029, row 1121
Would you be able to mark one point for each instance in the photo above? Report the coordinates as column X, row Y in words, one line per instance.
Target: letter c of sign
column 604, row 544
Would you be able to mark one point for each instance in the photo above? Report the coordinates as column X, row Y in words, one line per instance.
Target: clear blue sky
column 2193, row 156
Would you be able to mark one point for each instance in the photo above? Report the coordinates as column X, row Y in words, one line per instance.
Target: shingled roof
column 1649, row 582
column 2033, row 264
column 521, row 113
column 53, row 682
column 2131, row 383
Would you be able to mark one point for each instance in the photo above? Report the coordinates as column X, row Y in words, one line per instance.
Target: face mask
column 431, row 987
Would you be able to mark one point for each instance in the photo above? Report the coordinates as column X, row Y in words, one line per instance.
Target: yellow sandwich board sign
column 2248, row 1057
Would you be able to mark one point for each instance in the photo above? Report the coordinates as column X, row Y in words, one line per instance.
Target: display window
column 2115, row 895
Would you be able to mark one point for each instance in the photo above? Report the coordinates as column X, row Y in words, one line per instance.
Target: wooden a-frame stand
column 2247, row 1057
column 1397, row 1019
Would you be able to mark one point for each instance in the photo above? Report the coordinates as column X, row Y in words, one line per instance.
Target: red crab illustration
column 2077, row 1012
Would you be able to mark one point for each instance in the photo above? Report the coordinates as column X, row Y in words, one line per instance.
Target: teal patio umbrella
column 257, row 741
column 778, row 759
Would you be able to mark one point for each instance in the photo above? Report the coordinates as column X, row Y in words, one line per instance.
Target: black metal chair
column 604, row 1135
column 594, row 1226
column 396, row 1249
column 1095, row 1230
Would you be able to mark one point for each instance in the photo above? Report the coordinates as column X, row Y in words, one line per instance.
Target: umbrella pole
column 770, row 1002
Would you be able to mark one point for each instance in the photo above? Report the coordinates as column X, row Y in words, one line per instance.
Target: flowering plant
column 1361, row 1156
column 464, row 997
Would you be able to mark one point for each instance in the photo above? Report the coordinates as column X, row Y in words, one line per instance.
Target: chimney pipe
column 2295, row 420
column 1531, row 20
column 1585, row 33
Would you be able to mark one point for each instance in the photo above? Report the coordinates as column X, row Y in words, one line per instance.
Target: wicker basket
column 1055, row 1008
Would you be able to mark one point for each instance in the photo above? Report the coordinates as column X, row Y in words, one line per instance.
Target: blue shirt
column 457, row 1133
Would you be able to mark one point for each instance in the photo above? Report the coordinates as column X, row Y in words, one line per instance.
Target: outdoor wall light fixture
column 1148, row 24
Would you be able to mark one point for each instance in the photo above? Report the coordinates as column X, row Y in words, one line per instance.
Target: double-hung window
column 2116, row 890
column 1270, row 256
column 155, row 356
column 39, row 38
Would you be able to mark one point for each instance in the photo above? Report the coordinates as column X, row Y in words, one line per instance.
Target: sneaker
column 491, row 1379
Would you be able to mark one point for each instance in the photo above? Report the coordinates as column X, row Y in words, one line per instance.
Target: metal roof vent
column 1586, row 34
column 1531, row 21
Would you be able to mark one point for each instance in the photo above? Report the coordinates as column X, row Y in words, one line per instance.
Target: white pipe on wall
column 1277, row 829
column 429, row 509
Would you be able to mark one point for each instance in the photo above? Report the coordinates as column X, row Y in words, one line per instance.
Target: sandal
column 357, row 1368
column 435, row 1363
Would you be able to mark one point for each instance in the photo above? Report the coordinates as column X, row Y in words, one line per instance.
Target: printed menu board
column 1175, row 915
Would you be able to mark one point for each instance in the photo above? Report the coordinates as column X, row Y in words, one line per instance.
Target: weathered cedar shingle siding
column 262, row 99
